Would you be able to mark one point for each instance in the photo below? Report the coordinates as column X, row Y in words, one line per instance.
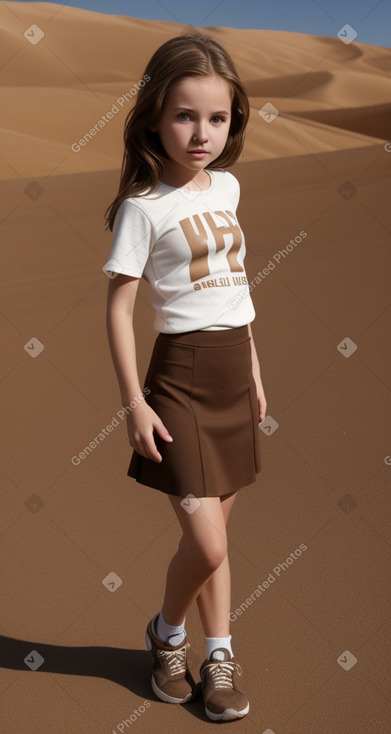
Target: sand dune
column 54, row 91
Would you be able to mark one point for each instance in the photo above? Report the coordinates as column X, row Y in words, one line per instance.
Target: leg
column 214, row 599
column 201, row 552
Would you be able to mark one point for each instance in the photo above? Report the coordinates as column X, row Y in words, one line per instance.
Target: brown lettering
column 219, row 232
column 198, row 242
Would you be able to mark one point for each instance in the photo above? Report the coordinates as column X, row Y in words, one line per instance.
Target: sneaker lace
column 222, row 673
column 176, row 660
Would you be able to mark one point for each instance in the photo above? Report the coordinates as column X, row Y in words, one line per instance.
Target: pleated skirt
column 202, row 388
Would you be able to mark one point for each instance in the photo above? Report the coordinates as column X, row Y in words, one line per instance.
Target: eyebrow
column 187, row 109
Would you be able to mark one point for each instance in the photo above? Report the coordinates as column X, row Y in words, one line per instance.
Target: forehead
column 199, row 92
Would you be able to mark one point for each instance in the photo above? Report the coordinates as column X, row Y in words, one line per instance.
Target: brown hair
column 191, row 54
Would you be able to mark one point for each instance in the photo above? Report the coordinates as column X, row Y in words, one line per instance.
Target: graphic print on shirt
column 197, row 239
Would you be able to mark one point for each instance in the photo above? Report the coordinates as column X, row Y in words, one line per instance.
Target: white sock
column 214, row 642
column 164, row 630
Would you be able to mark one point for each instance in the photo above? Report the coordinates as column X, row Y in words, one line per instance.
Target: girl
column 195, row 433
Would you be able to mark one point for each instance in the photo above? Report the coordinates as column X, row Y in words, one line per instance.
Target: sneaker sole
column 157, row 691
column 228, row 714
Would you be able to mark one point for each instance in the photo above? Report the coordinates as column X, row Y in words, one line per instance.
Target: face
column 196, row 115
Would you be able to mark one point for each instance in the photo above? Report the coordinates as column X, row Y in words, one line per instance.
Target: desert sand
column 313, row 646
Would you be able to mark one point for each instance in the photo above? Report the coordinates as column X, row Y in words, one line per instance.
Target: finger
column 161, row 429
column 138, row 445
column 150, row 449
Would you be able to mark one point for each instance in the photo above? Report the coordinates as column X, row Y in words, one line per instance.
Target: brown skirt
column 203, row 389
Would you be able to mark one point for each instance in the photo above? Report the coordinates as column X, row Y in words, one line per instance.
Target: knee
column 207, row 558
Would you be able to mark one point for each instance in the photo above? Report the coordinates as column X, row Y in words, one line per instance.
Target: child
column 194, row 429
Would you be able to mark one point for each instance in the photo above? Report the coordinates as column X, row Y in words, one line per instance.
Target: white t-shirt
column 189, row 246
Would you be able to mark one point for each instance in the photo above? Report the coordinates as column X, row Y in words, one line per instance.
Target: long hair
column 144, row 159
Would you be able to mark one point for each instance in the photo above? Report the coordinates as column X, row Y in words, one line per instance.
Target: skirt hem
column 199, row 496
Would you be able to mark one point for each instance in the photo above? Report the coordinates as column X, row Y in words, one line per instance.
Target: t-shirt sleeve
column 133, row 240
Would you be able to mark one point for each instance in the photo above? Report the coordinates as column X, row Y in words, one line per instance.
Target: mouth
column 200, row 151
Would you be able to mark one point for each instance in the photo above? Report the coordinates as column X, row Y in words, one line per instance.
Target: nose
column 199, row 132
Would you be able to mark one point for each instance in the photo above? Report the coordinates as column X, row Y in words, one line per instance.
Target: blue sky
column 371, row 19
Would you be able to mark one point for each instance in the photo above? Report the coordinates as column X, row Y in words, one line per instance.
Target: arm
column 121, row 298
column 257, row 378
column 141, row 420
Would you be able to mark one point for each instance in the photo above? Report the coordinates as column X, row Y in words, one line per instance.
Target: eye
column 186, row 114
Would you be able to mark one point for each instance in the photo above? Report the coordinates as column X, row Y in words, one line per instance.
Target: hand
column 257, row 379
column 261, row 398
column 141, row 422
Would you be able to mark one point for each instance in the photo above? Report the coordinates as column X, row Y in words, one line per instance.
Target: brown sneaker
column 172, row 681
column 223, row 697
